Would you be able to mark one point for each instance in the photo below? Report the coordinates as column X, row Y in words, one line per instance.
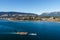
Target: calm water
column 44, row 30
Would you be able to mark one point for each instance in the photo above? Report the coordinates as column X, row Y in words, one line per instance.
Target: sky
column 30, row 6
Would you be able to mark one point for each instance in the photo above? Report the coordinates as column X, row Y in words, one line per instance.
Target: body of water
column 44, row 30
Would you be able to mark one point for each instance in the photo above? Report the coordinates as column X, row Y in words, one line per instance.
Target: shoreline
column 31, row 20
column 35, row 20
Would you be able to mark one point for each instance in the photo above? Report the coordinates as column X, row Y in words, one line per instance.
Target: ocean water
column 44, row 30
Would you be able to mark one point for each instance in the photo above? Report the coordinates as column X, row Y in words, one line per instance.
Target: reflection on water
column 27, row 29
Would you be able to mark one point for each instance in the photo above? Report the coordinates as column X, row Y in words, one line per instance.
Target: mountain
column 55, row 14
column 21, row 13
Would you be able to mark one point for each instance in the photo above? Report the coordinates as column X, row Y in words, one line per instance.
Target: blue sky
column 30, row 6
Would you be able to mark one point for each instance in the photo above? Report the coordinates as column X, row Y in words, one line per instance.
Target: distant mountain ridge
column 11, row 13
column 55, row 14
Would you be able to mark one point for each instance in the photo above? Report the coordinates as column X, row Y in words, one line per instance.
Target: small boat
column 33, row 34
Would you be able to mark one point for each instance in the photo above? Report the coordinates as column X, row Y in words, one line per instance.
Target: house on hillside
column 52, row 18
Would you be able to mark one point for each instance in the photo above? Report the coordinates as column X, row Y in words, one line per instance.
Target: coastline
column 31, row 20
column 34, row 20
